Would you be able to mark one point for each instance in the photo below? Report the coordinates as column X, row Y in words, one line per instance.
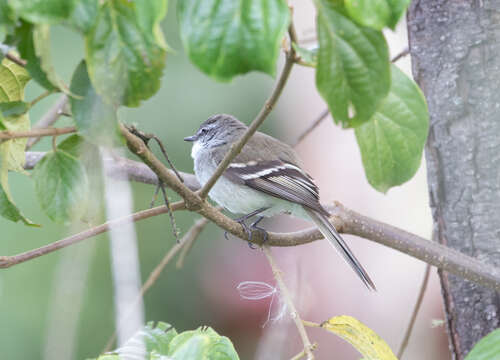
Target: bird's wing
column 277, row 178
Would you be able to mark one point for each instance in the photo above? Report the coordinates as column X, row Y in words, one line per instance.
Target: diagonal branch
column 346, row 221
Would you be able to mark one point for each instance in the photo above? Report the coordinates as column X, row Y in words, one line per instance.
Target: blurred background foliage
column 39, row 297
column 186, row 98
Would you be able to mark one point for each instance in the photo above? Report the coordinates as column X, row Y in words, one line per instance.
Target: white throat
column 197, row 147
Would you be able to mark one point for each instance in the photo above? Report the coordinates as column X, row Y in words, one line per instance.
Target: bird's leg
column 253, row 226
column 241, row 220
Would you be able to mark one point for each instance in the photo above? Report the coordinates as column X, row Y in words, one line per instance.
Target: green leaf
column 202, row 343
column 488, row 348
column 398, row 7
column 376, row 14
column 156, row 341
column 89, row 156
column 371, row 13
column 9, row 211
column 95, row 119
column 125, row 50
column 84, row 15
column 308, row 57
column 14, row 108
column 392, row 142
column 353, row 72
column 43, row 11
column 36, row 54
column 224, row 38
column 61, row 186
column 7, row 20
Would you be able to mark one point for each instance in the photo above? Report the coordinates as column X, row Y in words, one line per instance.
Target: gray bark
column 455, row 48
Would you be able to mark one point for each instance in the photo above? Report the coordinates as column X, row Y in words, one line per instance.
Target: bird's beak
column 191, row 138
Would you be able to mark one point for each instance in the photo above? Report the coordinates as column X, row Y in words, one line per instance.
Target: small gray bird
column 263, row 180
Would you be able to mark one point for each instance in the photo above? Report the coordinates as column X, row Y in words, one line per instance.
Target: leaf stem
column 288, row 300
column 40, row 97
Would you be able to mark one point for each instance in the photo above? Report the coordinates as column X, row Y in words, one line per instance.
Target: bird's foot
column 253, row 226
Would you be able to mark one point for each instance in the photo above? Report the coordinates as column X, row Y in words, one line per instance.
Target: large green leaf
column 84, row 15
column 36, row 54
column 202, row 343
column 43, row 11
column 353, row 72
column 376, row 14
column 61, row 186
column 89, row 156
column 488, row 348
column 125, row 50
column 225, row 38
column 392, row 142
column 372, row 13
column 95, row 119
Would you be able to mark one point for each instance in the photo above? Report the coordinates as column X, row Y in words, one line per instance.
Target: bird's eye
column 204, row 131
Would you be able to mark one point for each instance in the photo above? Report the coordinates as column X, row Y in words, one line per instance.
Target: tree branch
column 289, row 303
column 264, row 112
column 346, row 221
column 48, row 119
column 7, row 135
column 8, row 261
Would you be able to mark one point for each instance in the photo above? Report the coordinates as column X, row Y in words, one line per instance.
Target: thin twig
column 146, row 138
column 48, row 119
column 401, row 55
column 170, row 212
column 288, row 300
column 416, row 309
column 40, row 97
column 8, row 261
column 200, row 225
column 264, row 112
column 15, row 59
column 188, row 238
column 313, row 126
column 7, row 135
column 164, row 152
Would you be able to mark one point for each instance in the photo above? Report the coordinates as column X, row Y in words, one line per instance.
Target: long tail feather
column 329, row 232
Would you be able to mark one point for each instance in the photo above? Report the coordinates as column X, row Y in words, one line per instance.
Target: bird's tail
column 329, row 232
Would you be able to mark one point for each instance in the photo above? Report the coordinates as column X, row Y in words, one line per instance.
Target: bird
column 264, row 179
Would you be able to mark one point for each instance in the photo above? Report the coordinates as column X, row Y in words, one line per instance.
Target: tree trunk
column 455, row 49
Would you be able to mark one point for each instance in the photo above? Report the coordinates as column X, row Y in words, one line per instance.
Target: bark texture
column 455, row 48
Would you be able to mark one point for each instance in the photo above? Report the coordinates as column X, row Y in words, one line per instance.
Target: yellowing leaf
column 13, row 79
column 364, row 339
